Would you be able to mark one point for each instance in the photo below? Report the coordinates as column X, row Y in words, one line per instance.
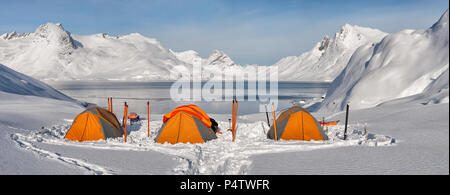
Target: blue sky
column 249, row 31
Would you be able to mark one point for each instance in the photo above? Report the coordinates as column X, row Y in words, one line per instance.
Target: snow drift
column 407, row 63
column 329, row 57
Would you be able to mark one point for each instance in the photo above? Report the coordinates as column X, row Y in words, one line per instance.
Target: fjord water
column 136, row 94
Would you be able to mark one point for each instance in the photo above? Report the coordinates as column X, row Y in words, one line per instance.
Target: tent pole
column 109, row 105
column 274, row 121
column 125, row 120
column 234, row 119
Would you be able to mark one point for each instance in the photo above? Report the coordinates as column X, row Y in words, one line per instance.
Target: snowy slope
column 17, row 83
column 329, row 57
column 52, row 53
column 403, row 64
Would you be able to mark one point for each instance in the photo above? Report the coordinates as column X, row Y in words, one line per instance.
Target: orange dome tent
column 186, row 124
column 297, row 123
column 94, row 124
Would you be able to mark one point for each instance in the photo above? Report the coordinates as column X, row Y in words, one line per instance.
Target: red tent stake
column 109, row 105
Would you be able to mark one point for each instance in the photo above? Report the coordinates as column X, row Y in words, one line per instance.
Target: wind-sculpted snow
column 220, row 156
column 403, row 64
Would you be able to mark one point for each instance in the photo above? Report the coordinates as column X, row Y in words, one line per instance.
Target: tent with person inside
column 94, row 124
column 187, row 124
column 296, row 123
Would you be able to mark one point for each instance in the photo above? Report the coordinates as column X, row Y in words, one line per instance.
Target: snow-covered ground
column 220, row 156
column 422, row 145
column 23, row 114
column 392, row 139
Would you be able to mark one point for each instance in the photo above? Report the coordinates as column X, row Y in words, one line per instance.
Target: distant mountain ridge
column 52, row 53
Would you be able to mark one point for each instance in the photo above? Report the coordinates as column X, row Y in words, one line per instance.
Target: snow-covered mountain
column 53, row 53
column 217, row 62
column 410, row 63
column 218, row 59
column 189, row 56
column 329, row 57
column 17, row 83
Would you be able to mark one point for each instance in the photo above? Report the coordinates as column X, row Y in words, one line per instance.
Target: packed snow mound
column 403, row 64
column 17, row 83
column 329, row 57
column 52, row 53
